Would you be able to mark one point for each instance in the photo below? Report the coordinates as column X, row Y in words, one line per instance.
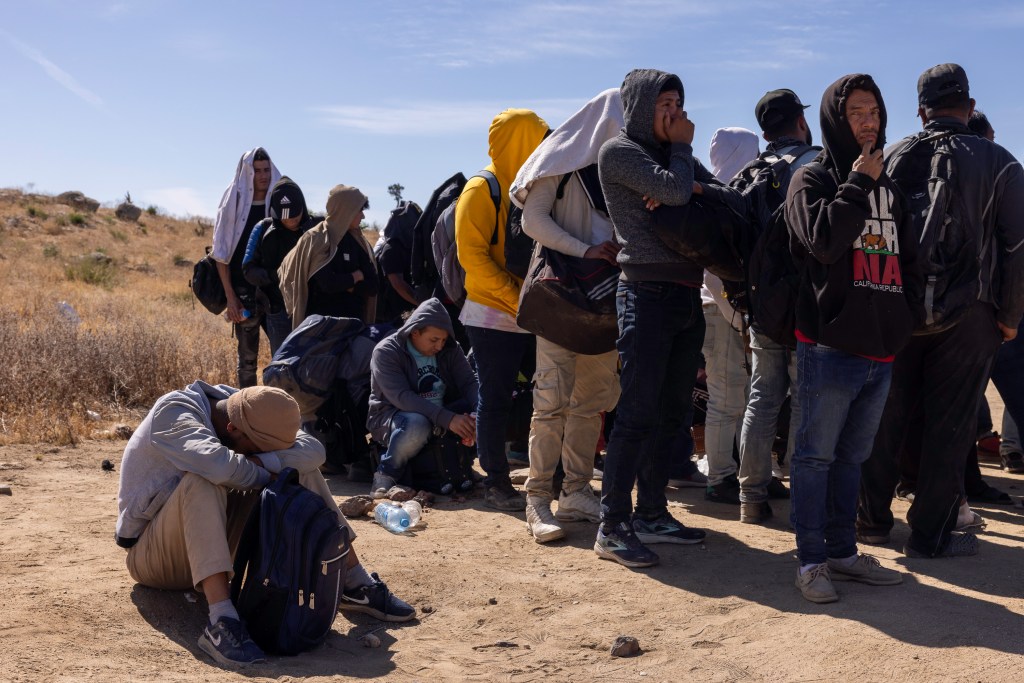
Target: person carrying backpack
column 500, row 347
column 270, row 242
column 857, row 305
column 780, row 114
column 967, row 196
column 563, row 210
column 420, row 383
column 185, row 494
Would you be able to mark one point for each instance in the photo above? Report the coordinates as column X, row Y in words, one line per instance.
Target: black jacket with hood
column 270, row 242
column 860, row 289
column 394, row 377
column 633, row 165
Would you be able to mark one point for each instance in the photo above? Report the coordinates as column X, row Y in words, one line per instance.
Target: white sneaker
column 541, row 524
column 579, row 506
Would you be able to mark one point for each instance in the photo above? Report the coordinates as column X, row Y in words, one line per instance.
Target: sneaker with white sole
column 541, row 524
column 816, row 584
column 376, row 600
column 228, row 642
column 865, row 569
column 666, row 529
column 619, row 543
column 579, row 506
column 382, row 483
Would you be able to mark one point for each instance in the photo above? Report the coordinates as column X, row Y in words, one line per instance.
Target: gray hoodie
column 393, row 375
column 633, row 165
column 177, row 437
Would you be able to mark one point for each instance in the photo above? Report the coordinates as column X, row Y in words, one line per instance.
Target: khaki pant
column 196, row 533
column 570, row 392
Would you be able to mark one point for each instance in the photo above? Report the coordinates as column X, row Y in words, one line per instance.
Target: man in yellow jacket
column 492, row 296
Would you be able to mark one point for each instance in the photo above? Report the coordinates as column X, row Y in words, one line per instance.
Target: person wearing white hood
column 242, row 207
column 724, row 349
column 564, row 210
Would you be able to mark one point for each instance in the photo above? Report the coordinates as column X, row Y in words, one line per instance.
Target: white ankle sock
column 219, row 610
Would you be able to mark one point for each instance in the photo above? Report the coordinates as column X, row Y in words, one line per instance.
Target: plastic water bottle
column 392, row 517
column 414, row 510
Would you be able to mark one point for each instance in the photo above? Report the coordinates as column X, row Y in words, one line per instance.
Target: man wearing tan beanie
column 190, row 476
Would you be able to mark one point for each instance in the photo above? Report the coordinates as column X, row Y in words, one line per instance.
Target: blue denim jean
column 843, row 397
column 279, row 326
column 773, row 375
column 1008, row 376
column 499, row 358
column 409, row 434
column 661, row 331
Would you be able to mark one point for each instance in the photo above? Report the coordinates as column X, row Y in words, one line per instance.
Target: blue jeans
column 499, row 357
column 661, row 331
column 279, row 326
column 409, row 434
column 773, row 374
column 1008, row 376
column 843, row 397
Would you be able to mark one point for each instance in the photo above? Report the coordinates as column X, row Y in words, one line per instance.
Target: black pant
column 945, row 375
column 248, row 334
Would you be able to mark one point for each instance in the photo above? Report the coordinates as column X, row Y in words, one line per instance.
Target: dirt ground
column 722, row 611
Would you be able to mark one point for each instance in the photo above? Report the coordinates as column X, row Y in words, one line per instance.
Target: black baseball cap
column 940, row 81
column 777, row 106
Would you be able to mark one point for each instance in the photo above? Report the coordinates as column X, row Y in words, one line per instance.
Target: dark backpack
column 341, row 424
column 518, row 245
column 206, row 285
column 768, row 292
column 446, row 255
column 306, row 363
column 704, row 231
column 426, row 277
column 949, row 250
column 443, row 466
column 290, row 567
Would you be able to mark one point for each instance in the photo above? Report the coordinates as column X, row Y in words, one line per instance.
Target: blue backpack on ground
column 290, row 567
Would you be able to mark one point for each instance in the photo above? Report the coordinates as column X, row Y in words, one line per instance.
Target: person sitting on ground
column 184, row 498
column 270, row 242
column 420, row 384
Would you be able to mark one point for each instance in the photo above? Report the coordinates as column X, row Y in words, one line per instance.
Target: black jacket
column 860, row 290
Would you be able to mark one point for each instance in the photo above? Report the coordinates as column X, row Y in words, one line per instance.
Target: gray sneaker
column 541, row 524
column 755, row 513
column 504, row 496
column 382, row 483
column 865, row 569
column 816, row 584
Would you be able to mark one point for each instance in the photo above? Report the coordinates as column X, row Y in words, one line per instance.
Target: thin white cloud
column 180, row 201
column 62, row 77
column 436, row 118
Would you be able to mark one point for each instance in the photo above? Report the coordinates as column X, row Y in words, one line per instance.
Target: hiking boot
column 865, row 569
column 579, row 506
column 959, row 545
column 1012, row 462
column 755, row 513
column 228, row 642
column 504, row 496
column 666, row 529
column 816, row 584
column 377, row 601
column 777, row 490
column 728, row 491
column 541, row 524
column 620, row 544
column 870, row 538
column 382, row 483
column 697, row 480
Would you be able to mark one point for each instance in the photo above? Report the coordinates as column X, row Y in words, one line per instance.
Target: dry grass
column 139, row 334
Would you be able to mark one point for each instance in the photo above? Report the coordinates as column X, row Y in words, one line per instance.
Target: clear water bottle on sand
column 414, row 510
column 392, row 517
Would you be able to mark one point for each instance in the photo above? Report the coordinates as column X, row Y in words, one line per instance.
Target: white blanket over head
column 234, row 207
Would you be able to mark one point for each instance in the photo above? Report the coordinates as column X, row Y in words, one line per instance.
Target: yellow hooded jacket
column 513, row 136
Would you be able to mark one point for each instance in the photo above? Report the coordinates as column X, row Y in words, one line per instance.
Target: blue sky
column 161, row 97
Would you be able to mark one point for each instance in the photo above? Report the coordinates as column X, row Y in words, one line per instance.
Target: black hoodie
column 270, row 242
column 633, row 165
column 860, row 288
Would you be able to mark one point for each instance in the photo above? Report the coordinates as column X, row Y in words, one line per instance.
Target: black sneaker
column 666, row 529
column 504, row 496
column 377, row 601
column 728, row 491
column 1012, row 462
column 229, row 644
column 777, row 490
column 959, row 545
column 620, row 544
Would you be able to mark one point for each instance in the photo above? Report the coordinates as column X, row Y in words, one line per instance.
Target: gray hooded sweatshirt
column 633, row 165
column 177, row 437
column 394, row 379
